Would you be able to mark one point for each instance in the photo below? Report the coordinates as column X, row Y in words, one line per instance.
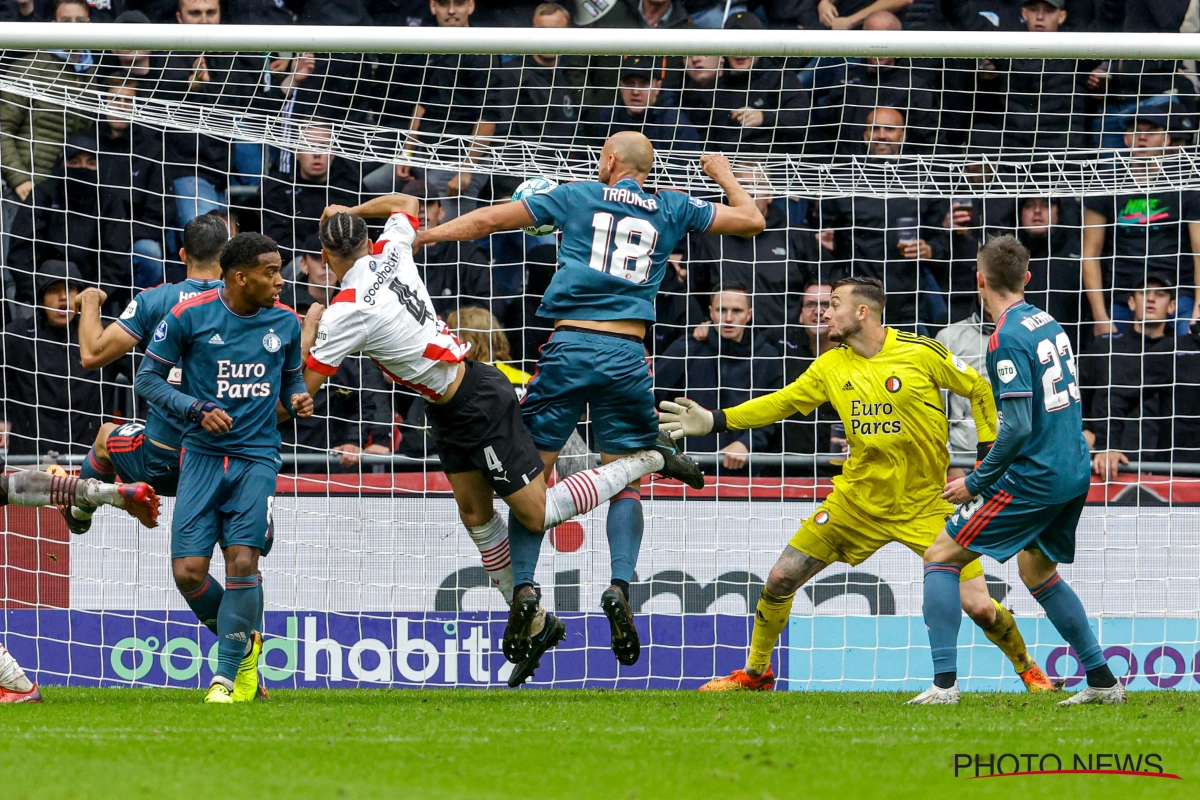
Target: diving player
column 240, row 353
column 1026, row 496
column 886, row 387
column 616, row 239
column 384, row 311
column 132, row 450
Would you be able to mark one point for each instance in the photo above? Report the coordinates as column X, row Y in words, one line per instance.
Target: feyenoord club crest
column 272, row 342
column 892, row 384
column 821, row 518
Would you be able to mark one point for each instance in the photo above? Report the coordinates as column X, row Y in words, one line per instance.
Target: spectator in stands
column 350, row 417
column 844, row 15
column 450, row 102
column 293, row 201
column 1055, row 279
column 457, row 274
column 1121, row 410
column 1132, row 236
column 967, row 339
column 759, row 107
column 776, row 264
column 902, row 241
column 23, row 11
column 122, row 67
column 1173, row 376
column 101, row 209
column 32, row 132
column 50, row 402
column 729, row 366
column 697, row 97
column 406, row 13
column 854, row 88
column 807, row 434
column 531, row 99
column 644, row 107
column 308, row 279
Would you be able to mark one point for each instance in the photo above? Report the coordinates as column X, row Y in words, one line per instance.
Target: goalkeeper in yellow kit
column 886, row 386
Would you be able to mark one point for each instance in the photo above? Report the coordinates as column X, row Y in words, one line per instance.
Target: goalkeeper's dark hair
column 204, row 237
column 343, row 234
column 1004, row 262
column 243, row 250
column 868, row 290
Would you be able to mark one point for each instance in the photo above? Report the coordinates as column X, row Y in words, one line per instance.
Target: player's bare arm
column 378, row 207
column 478, row 223
column 741, row 217
column 308, row 330
column 99, row 346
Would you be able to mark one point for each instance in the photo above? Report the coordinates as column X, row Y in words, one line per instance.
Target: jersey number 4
column 411, row 301
column 633, row 240
column 1057, row 351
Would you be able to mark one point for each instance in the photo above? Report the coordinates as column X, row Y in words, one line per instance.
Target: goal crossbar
column 588, row 41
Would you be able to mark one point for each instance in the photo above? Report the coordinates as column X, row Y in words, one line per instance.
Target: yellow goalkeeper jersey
column 892, row 408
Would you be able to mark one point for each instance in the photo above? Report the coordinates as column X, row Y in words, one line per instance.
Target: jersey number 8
column 633, row 242
column 1056, row 352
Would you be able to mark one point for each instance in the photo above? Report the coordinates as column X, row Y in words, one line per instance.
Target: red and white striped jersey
column 383, row 311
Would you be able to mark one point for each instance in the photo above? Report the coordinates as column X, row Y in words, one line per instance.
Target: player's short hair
column 343, row 234
column 1004, row 262
column 479, row 328
column 732, row 286
column 549, row 10
column 204, row 237
column 243, row 250
column 867, row 290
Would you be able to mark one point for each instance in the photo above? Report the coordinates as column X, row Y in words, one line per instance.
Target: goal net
column 893, row 157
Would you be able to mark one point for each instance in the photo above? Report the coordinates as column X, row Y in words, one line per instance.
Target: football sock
column 235, row 621
column 769, row 618
column 1005, row 634
column 587, row 489
column 205, row 602
column 34, row 488
column 262, row 607
column 525, row 546
column 492, row 540
column 943, row 617
column 1062, row 606
column 97, row 469
column 12, row 677
column 624, row 527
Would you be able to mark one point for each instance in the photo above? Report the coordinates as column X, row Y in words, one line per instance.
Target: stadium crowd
column 101, row 202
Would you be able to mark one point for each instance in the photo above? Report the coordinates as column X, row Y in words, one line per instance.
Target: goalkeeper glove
column 683, row 418
column 198, row 409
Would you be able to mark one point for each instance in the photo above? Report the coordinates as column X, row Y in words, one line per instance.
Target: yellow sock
column 769, row 619
column 1005, row 634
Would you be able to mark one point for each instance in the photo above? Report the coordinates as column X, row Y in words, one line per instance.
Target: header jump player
column 886, row 386
column 384, row 311
column 1025, row 499
column 616, row 239
column 240, row 353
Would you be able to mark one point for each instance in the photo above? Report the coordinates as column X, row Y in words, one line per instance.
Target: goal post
column 891, row 154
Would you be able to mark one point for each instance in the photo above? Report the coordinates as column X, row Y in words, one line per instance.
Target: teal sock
column 93, row 467
column 524, row 547
column 205, row 602
column 1066, row 613
column 235, row 621
column 624, row 528
column 943, row 617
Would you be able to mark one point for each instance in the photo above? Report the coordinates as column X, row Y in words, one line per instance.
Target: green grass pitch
column 132, row 743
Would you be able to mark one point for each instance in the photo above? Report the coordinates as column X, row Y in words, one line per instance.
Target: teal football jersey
column 1029, row 355
column 615, row 244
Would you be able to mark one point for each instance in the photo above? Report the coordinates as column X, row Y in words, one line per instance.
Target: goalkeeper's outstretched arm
column 686, row 417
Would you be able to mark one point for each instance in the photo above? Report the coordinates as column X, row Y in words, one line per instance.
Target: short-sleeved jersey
column 240, row 363
column 139, row 319
column 891, row 406
column 384, row 312
column 1029, row 355
column 614, row 248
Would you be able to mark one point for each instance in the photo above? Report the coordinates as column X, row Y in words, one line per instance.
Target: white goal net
column 894, row 157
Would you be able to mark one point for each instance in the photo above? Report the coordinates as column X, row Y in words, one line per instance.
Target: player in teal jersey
column 239, row 351
column 133, row 451
column 616, row 239
column 1026, row 497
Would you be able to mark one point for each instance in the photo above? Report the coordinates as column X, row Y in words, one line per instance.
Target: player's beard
column 844, row 334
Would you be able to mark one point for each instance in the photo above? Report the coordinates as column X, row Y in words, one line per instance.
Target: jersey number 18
column 633, row 241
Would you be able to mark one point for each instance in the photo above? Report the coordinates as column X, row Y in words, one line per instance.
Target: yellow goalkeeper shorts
column 840, row 532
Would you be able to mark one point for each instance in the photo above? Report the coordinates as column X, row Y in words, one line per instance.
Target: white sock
column 99, row 493
column 82, row 513
column 492, row 540
column 585, row 490
column 228, row 684
column 12, row 677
